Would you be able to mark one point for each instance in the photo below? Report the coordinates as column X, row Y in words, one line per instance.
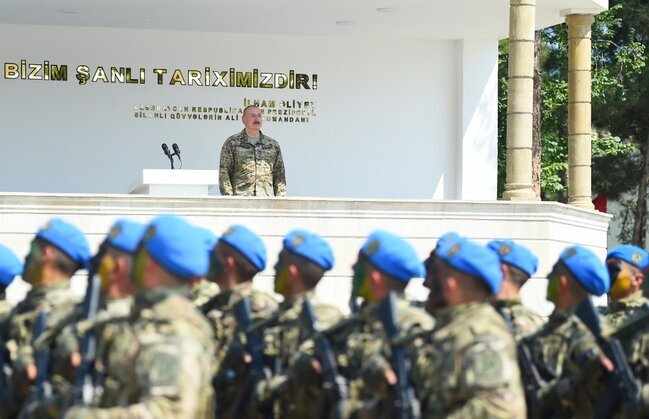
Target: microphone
column 168, row 154
column 176, row 150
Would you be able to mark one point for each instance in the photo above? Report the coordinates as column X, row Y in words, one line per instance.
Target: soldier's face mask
column 281, row 276
column 33, row 264
column 106, row 267
column 216, row 267
column 435, row 300
column 359, row 284
column 621, row 279
column 554, row 281
column 139, row 265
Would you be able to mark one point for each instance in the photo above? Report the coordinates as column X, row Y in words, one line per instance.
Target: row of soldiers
column 171, row 326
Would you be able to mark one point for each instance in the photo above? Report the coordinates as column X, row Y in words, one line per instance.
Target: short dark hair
column 62, row 261
column 517, row 275
column 248, row 107
column 310, row 271
column 247, row 270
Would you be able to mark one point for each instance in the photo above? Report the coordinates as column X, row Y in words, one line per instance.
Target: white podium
column 175, row 182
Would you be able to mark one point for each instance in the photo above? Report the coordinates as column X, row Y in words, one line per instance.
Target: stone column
column 579, row 110
column 520, row 89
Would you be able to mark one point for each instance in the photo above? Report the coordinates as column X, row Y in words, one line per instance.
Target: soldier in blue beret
column 302, row 262
column 518, row 264
column 626, row 265
column 57, row 251
column 10, row 267
column 238, row 256
column 385, row 265
column 202, row 289
column 564, row 351
column 163, row 366
column 471, row 347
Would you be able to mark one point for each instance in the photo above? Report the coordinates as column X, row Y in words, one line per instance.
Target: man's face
column 216, row 266
column 623, row 278
column 434, row 281
column 252, row 119
column 281, row 275
column 33, row 264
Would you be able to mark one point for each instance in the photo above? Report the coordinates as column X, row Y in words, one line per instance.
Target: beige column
column 520, row 89
column 579, row 110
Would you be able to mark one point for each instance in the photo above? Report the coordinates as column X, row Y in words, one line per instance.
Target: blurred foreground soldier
column 564, row 351
column 383, row 269
column 518, row 264
column 625, row 264
column 237, row 257
column 467, row 367
column 165, row 370
column 113, row 295
column 10, row 266
column 57, row 252
column 304, row 259
column 203, row 290
column 251, row 163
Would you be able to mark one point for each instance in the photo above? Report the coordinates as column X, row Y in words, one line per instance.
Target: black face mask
column 216, row 267
column 614, row 269
column 435, row 299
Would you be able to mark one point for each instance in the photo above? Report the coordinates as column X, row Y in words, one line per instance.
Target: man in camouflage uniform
column 625, row 265
column 518, row 264
column 564, row 351
column 237, row 257
column 251, row 162
column 113, row 263
column 166, row 364
column 304, row 259
column 467, row 366
column 10, row 266
column 385, row 265
column 57, row 252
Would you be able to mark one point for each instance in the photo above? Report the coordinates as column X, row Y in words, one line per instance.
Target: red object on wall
column 600, row 203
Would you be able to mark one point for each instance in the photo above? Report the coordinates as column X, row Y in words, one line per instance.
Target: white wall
column 387, row 122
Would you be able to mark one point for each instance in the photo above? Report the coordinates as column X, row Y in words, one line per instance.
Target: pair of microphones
column 170, row 155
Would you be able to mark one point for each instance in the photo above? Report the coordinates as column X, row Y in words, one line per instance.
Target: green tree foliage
column 619, row 60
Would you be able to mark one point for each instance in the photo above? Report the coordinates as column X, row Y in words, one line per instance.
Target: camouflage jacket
column 523, row 320
column 567, row 357
column 16, row 330
column 362, row 351
column 468, row 368
column 5, row 307
column 230, row 369
column 620, row 310
column 202, row 291
column 283, row 335
column 251, row 170
column 164, row 368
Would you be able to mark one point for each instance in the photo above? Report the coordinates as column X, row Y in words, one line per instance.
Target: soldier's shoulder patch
column 486, row 366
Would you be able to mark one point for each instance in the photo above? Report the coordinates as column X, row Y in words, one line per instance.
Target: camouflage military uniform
column 362, row 349
column 282, row 338
column 225, row 328
column 523, row 320
column 203, row 291
column 567, row 357
column 251, row 170
column 162, row 369
column 16, row 331
column 468, row 366
column 620, row 310
column 5, row 307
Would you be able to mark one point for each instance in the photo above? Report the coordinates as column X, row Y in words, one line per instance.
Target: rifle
column 84, row 389
column 255, row 347
column 632, row 324
column 43, row 385
column 532, row 381
column 324, row 354
column 404, row 400
column 621, row 385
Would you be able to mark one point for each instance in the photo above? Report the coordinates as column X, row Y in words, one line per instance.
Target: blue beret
column 630, row 254
column 177, row 246
column 68, row 239
column 472, row 259
column 310, row 246
column 587, row 269
column 512, row 253
column 209, row 238
column 446, row 240
column 125, row 235
column 392, row 255
column 10, row 266
column 247, row 243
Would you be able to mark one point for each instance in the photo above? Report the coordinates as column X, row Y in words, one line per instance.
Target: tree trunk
column 640, row 222
column 536, row 121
